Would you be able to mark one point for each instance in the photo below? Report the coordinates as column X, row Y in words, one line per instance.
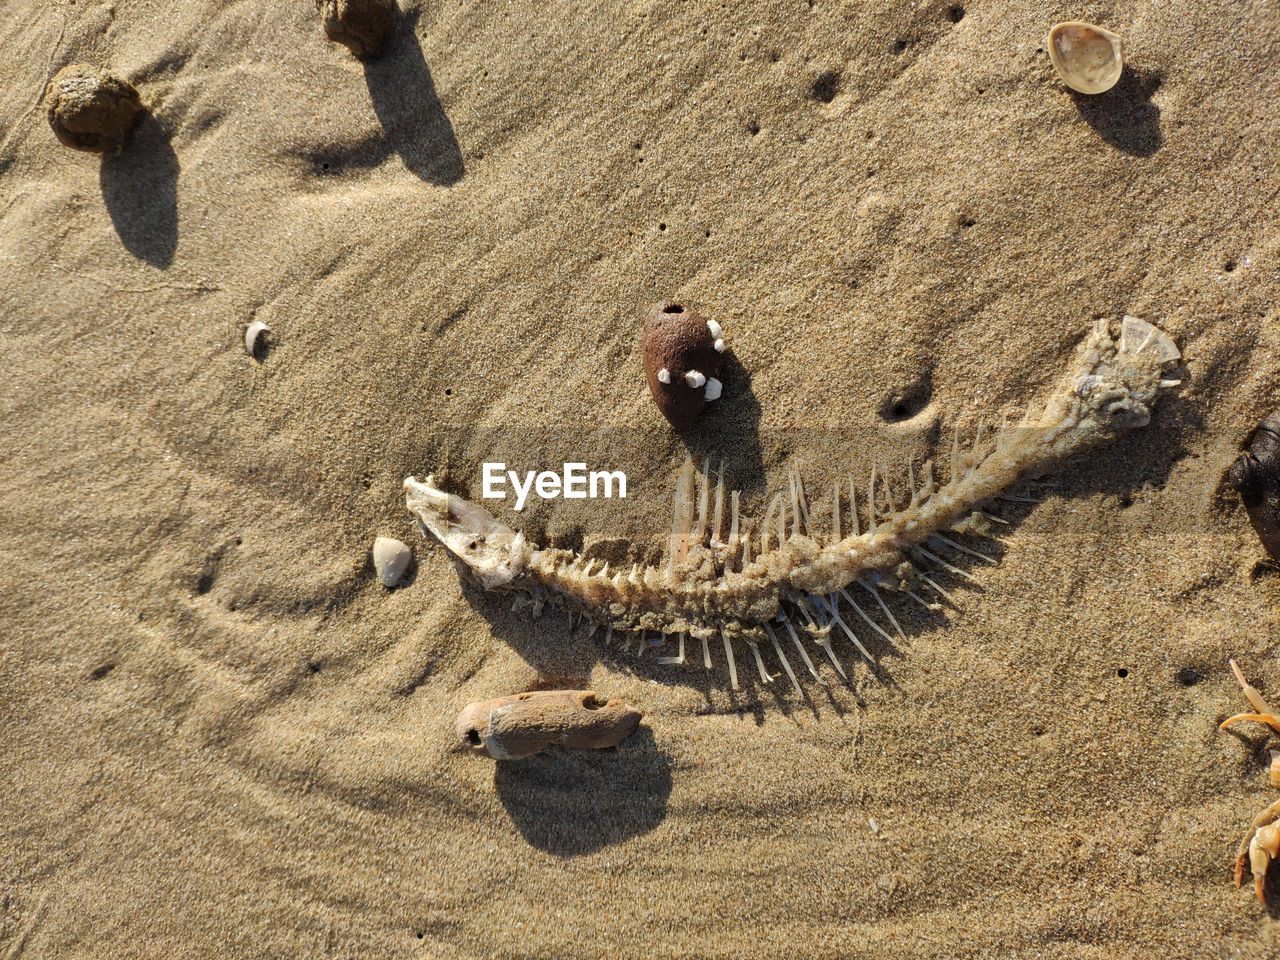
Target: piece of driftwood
column 508, row 728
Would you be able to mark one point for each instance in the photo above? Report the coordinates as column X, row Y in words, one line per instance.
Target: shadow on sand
column 404, row 98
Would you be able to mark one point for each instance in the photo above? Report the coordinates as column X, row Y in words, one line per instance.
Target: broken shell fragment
column 251, row 335
column 683, row 353
column 362, row 26
column 390, row 560
column 508, row 728
column 91, row 109
column 1088, row 59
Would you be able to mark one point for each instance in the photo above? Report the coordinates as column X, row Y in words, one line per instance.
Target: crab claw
column 1261, row 846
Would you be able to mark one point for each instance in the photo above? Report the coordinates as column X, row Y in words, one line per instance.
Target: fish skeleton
column 798, row 580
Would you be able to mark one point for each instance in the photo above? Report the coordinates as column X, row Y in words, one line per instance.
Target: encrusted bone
column 512, row 727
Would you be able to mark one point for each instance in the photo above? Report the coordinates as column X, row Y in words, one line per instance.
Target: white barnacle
column 714, row 387
column 664, row 375
column 695, row 379
column 717, row 331
column 251, row 335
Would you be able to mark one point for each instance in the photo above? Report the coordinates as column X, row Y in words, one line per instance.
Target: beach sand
column 220, row 736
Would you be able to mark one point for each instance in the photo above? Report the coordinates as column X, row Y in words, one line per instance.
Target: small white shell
column 714, row 387
column 1088, row 58
column 695, row 379
column 390, row 560
column 664, row 375
column 251, row 335
column 719, row 345
column 717, row 331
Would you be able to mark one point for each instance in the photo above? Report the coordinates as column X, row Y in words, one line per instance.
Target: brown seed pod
column 91, row 109
column 682, row 352
column 362, row 26
column 1256, row 475
column 508, row 728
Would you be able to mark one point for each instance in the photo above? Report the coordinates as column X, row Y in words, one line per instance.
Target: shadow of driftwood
column 404, row 98
column 140, row 190
column 571, row 802
column 1124, row 116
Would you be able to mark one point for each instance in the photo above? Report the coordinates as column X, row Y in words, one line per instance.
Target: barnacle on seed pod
column 683, row 353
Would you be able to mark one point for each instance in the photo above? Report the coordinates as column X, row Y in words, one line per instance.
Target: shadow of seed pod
column 683, row 353
column 91, row 109
column 362, row 26
column 1256, row 475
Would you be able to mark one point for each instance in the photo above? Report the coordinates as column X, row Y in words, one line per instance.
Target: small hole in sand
column 907, row 403
column 314, row 665
column 753, row 128
column 102, row 671
column 955, row 13
column 900, row 45
column 1126, row 502
column 967, row 222
column 662, row 227
column 826, row 86
column 1229, row 266
column 1188, row 676
column 448, row 391
column 1037, row 731
column 1122, row 672
column 205, row 583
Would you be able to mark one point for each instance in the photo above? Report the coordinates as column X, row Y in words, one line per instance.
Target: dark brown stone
column 677, row 339
column 91, row 109
column 362, row 26
column 1256, row 475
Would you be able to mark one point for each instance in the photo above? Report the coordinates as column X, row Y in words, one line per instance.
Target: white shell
column 251, row 335
column 695, row 379
column 714, row 387
column 717, row 331
column 1088, row 58
column 664, row 375
column 719, row 345
column 390, row 560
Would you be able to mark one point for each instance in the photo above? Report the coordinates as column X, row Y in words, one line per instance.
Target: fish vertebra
column 792, row 584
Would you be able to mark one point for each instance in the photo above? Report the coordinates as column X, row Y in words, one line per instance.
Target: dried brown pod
column 508, row 728
column 1256, row 475
column 362, row 26
column 91, row 109
column 683, row 352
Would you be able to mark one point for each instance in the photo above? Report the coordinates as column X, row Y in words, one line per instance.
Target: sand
column 220, row 736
